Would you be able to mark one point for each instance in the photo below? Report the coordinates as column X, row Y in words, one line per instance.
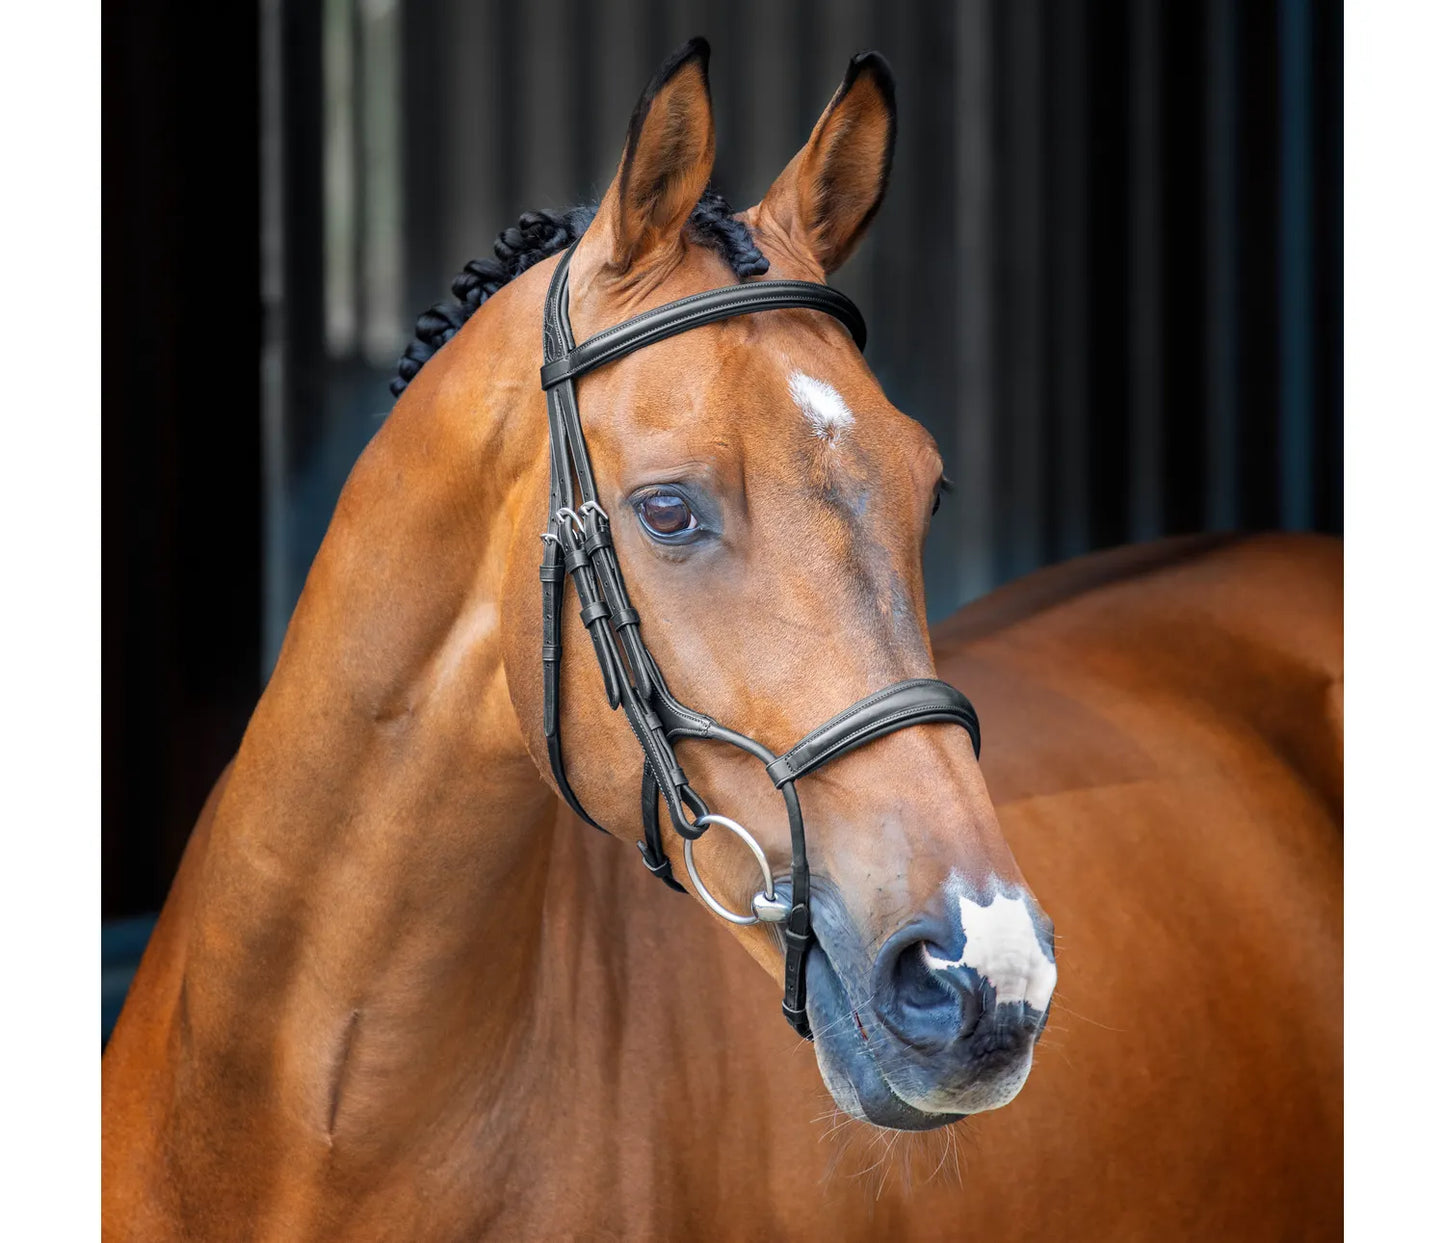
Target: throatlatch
column 578, row 545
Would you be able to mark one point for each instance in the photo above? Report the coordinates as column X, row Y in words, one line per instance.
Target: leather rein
column 578, row 545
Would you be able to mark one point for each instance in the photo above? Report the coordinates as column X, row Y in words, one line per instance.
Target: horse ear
column 666, row 163
column 828, row 195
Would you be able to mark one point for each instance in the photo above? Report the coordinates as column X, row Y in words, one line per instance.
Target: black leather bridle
column 578, row 544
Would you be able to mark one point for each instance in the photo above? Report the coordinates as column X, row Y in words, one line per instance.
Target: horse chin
column 847, row 1061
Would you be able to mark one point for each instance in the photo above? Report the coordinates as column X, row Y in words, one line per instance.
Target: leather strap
column 578, row 545
column 895, row 707
column 653, row 854
column 694, row 311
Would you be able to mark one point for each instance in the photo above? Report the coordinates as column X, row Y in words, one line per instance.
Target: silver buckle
column 569, row 516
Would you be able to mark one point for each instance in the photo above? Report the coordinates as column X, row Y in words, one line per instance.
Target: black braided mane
column 535, row 237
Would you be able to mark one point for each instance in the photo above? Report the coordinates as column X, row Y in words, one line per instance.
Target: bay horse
column 399, row 991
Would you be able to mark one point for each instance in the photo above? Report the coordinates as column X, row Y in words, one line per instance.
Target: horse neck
column 373, row 881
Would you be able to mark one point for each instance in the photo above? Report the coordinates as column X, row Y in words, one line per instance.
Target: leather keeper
column 798, row 1021
column 591, row 612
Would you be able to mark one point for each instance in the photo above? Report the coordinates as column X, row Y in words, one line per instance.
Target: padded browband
column 914, row 702
column 693, row 312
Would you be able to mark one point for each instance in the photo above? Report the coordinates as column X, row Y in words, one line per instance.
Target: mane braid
column 541, row 234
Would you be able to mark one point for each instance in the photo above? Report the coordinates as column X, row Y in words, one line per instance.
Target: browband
column 578, row 546
column 684, row 314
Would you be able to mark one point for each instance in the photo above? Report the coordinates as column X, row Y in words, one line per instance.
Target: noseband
column 578, row 544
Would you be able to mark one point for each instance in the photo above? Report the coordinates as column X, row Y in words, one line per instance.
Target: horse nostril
column 926, row 1000
column 960, row 981
column 969, row 994
column 914, row 981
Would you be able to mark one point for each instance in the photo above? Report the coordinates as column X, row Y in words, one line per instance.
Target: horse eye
column 666, row 515
column 945, row 484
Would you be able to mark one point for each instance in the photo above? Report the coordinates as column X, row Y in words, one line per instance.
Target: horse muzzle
column 943, row 1022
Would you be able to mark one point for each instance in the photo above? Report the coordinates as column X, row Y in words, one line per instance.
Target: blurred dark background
column 1107, row 278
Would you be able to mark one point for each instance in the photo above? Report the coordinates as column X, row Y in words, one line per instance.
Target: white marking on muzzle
column 1002, row 945
column 827, row 413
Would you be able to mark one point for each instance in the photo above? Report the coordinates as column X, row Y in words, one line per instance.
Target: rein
column 578, row 544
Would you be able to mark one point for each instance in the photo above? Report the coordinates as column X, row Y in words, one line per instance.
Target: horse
column 400, row 990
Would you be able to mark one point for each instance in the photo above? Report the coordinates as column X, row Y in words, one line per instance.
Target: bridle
column 578, row 544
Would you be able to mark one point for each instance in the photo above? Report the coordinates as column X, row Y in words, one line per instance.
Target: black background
column 181, row 553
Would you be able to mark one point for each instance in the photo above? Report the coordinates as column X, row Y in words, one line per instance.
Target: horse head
column 768, row 508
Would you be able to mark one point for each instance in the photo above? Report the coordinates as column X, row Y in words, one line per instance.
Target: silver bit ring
column 767, row 906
